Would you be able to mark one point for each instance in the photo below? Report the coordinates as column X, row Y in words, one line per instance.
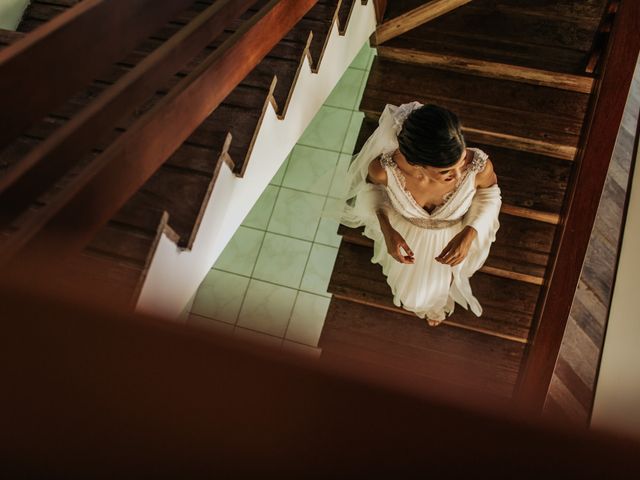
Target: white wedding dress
column 426, row 287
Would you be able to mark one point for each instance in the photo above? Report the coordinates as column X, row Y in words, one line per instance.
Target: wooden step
column 527, row 180
column 483, row 68
column 521, row 250
column 532, row 118
column 7, row 37
column 508, row 305
column 549, row 36
column 445, row 357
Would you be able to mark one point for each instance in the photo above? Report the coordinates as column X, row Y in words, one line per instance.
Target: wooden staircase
column 173, row 200
column 514, row 72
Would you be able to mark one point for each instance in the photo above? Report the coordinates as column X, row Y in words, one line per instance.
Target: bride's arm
column 487, row 177
column 394, row 241
column 480, row 221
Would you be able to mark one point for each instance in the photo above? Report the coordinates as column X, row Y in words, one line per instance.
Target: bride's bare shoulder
column 376, row 173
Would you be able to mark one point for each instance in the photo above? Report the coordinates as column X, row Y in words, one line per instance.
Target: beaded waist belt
column 433, row 224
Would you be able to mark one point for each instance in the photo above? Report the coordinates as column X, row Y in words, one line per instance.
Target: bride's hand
column 395, row 245
column 458, row 248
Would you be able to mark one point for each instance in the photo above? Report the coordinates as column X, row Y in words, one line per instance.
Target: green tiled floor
column 270, row 283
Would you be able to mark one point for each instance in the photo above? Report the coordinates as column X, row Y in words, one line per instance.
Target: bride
column 429, row 203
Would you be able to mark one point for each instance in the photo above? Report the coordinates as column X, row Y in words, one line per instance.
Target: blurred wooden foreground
column 92, row 391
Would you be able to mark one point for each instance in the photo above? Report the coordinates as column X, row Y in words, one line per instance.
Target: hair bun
column 431, row 135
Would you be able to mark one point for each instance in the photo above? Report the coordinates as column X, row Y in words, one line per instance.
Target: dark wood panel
column 84, row 358
column 55, row 53
column 99, row 108
column 447, row 355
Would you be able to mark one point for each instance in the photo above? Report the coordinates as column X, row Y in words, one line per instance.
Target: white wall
column 175, row 275
column 616, row 405
column 11, row 12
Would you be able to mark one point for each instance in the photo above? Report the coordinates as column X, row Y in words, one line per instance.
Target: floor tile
column 267, row 308
column 301, row 350
column 257, row 337
column 307, row 318
column 318, row 271
column 220, row 296
column 277, row 178
column 362, row 58
column 215, row 326
column 310, row 169
column 347, row 90
column 240, row 254
column 328, row 129
column 258, row 216
column 296, row 214
column 339, row 182
column 352, row 133
column 328, row 227
column 282, row 260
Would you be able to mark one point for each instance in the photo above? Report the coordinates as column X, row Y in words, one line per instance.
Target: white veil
column 361, row 199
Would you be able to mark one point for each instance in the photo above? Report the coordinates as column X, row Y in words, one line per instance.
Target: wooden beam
column 415, row 18
column 583, row 193
column 503, row 71
column 515, row 211
column 564, row 152
column 511, row 275
column 43, row 165
column 96, row 193
column 54, row 52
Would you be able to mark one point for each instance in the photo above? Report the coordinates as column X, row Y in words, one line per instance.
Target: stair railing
column 70, row 218
column 583, row 195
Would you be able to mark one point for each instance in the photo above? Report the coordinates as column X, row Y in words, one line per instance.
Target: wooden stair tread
column 109, row 279
column 554, row 37
column 497, row 106
column 526, row 179
column 130, row 246
column 508, row 305
column 446, row 355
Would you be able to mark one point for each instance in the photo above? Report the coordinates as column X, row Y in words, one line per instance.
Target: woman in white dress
column 429, row 203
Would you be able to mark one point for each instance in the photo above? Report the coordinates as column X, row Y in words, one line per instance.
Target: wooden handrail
column 93, row 196
column 584, row 192
column 50, row 159
column 53, row 51
column 414, row 18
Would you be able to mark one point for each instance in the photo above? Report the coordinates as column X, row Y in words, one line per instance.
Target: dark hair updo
column 431, row 136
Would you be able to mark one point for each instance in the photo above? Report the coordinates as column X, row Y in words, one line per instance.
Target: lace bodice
column 455, row 203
